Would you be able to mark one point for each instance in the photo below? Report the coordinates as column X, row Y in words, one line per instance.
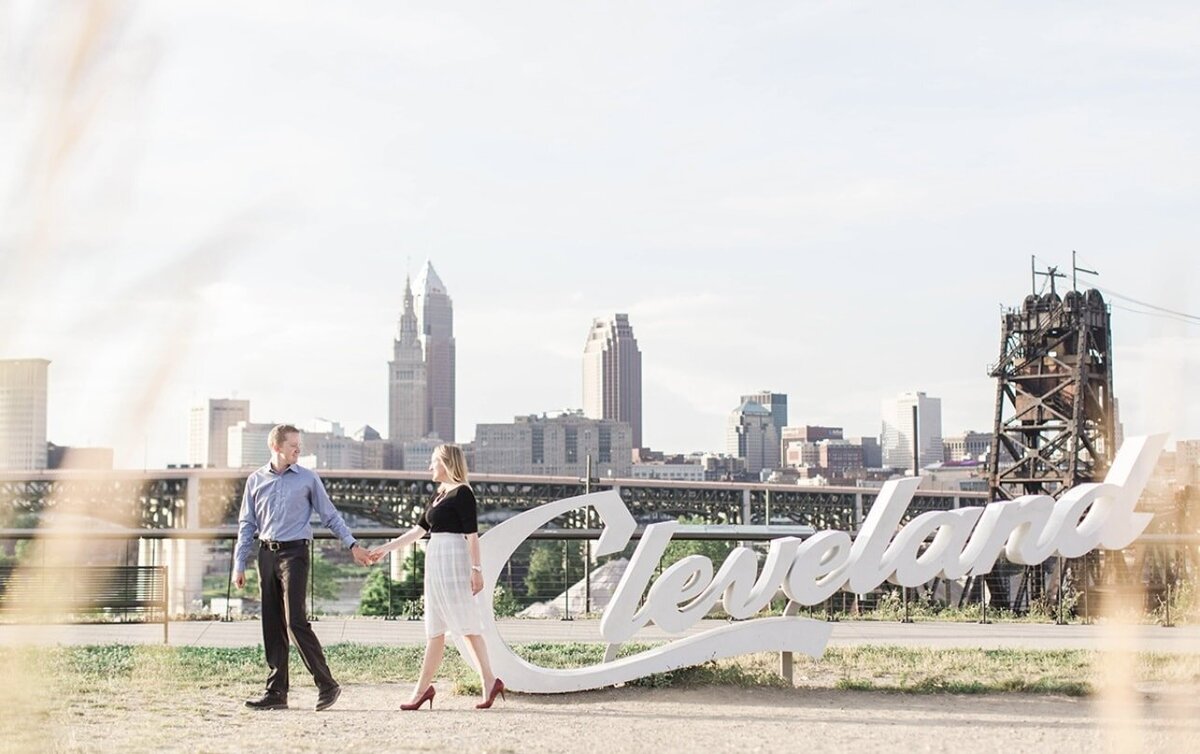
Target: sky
column 830, row 200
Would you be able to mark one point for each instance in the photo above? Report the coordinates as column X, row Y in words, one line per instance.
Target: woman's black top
column 452, row 514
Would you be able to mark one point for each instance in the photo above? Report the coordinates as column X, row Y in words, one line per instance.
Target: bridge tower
column 1055, row 422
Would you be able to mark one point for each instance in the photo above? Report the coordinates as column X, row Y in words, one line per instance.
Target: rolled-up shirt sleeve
column 247, row 529
column 327, row 514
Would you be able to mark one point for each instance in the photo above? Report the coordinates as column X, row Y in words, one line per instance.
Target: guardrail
column 575, row 565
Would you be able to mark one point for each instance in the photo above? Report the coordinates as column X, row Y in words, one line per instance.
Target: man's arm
column 332, row 520
column 247, row 530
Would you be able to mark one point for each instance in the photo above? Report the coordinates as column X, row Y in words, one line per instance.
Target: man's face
column 289, row 449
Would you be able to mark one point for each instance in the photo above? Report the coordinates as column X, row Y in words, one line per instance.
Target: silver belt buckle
column 272, row 546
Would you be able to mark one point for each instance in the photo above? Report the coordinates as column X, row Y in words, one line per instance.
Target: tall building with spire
column 612, row 374
column 435, row 329
column 406, row 378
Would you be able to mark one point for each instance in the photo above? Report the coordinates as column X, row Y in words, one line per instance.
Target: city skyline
column 834, row 229
column 717, row 447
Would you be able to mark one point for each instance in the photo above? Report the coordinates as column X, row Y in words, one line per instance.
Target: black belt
column 274, row 546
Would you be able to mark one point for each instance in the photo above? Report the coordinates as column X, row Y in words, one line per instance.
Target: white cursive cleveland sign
column 966, row 541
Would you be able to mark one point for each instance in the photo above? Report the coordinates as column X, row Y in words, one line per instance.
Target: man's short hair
column 279, row 433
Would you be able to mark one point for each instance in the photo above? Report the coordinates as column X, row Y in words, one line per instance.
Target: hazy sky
column 831, row 200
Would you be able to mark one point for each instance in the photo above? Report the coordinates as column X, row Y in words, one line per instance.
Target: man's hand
column 239, row 579
column 360, row 555
column 377, row 554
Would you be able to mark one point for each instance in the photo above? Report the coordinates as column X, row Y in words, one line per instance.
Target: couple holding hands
column 278, row 502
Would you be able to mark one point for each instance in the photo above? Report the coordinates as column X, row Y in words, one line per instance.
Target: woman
column 453, row 575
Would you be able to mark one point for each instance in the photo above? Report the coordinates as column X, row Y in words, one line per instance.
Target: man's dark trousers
column 283, row 578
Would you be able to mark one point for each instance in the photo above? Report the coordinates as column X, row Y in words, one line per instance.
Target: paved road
column 516, row 631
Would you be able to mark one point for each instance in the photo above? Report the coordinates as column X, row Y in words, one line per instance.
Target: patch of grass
column 88, row 675
column 959, row 671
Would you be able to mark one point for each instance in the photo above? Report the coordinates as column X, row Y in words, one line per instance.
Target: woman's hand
column 476, row 582
column 376, row 554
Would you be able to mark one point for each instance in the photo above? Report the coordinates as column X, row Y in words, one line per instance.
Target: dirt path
column 615, row 720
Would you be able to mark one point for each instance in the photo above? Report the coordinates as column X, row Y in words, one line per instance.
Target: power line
column 1184, row 315
column 1154, row 314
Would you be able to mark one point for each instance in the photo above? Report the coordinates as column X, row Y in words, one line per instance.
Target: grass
column 86, row 671
column 69, row 698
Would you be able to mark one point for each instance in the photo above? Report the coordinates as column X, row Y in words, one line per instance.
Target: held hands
column 361, row 556
column 377, row 554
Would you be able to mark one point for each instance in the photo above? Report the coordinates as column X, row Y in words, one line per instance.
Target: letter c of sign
column 785, row 634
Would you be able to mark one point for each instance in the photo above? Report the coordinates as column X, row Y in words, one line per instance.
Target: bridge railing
column 206, row 498
column 553, row 575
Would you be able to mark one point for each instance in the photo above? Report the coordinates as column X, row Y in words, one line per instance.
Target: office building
column 871, row 452
column 75, row 458
column 968, row 446
column 377, row 453
column 811, row 433
column 776, row 403
column 1187, row 462
column 799, row 444
column 896, row 437
column 751, row 435
column 208, row 431
column 555, row 445
column 612, row 374
column 247, row 445
column 415, row 455
column 23, row 396
column 839, row 456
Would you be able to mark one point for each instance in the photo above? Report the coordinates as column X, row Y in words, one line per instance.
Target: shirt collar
column 271, row 469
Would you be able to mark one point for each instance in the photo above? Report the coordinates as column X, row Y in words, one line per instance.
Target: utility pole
column 1075, row 270
column 587, row 543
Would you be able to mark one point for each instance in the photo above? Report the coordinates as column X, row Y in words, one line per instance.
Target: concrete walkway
column 246, row 633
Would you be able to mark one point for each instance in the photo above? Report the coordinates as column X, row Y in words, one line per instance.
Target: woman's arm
column 407, row 538
column 476, row 567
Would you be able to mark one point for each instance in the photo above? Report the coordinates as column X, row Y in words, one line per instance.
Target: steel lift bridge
column 1055, row 420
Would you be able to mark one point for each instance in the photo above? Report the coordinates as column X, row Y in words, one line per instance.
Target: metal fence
column 553, row 575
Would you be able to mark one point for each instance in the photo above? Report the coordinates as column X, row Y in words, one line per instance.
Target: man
column 279, row 500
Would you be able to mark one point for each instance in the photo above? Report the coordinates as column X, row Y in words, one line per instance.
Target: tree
column 405, row 592
column 715, row 550
column 323, row 575
column 324, row 578
column 374, row 597
column 546, row 578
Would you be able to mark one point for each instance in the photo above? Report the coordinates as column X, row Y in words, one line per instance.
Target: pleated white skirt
column 449, row 604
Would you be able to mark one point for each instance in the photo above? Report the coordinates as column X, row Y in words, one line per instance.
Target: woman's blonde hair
column 455, row 462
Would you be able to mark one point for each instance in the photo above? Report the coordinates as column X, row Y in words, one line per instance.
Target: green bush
column 504, row 603
column 546, row 577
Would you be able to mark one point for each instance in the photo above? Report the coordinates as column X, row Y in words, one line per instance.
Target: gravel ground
column 615, row 720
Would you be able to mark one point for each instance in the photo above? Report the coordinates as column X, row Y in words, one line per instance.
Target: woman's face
column 438, row 469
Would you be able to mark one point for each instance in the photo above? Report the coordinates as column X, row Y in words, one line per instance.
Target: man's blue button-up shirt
column 278, row 506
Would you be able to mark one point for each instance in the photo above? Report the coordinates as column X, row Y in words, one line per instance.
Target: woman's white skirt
column 449, row 604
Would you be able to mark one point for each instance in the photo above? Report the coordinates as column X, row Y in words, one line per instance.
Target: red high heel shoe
column 497, row 688
column 427, row 696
